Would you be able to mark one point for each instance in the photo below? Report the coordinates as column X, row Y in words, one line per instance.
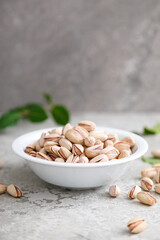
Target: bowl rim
column 142, row 145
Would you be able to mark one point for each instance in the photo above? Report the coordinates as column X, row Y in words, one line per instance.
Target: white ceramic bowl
column 79, row 175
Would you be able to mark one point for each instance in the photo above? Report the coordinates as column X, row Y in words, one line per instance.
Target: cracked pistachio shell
column 108, row 143
column 14, row 191
column 76, row 135
column 64, row 153
column 124, row 153
column 99, row 158
column 66, row 128
column 63, row 142
column 93, row 151
column 77, row 149
column 30, row 148
column 113, row 137
column 72, row 159
column 59, row 160
column 3, row 188
column 114, row 191
column 120, row 146
column 146, row 198
column 48, row 145
column 129, row 140
column 99, row 135
column 54, row 137
column 43, row 156
column 148, row 172
column 83, row 159
column 133, row 192
column 137, row 225
column 89, row 141
column 146, row 183
column 57, row 130
column 88, row 125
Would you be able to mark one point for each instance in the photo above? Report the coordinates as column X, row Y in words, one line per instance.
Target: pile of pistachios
column 80, row 144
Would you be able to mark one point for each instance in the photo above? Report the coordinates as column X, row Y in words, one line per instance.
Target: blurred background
column 91, row 55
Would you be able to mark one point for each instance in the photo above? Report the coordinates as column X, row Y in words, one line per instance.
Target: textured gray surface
column 92, row 55
column 48, row 212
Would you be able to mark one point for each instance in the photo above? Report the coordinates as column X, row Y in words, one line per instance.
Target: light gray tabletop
column 49, row 212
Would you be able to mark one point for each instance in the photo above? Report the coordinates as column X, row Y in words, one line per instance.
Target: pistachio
column 48, row 145
column 111, row 152
column 57, row 130
column 113, row 137
column 54, row 137
column 89, row 141
column 43, row 156
column 88, row 125
column 93, row 151
column 99, row 135
column 83, row 159
column 30, row 148
column 64, row 153
column 114, row 191
column 77, row 149
column 14, row 191
column 98, row 141
column 156, row 153
column 146, row 198
column 108, row 143
column 41, row 140
column 37, row 146
column 43, row 150
column 76, row 135
column 52, row 156
column 63, row 142
column 99, row 158
column 122, row 146
column 157, row 188
column 33, row 153
column 124, row 153
column 148, row 172
column 157, row 176
column 130, row 141
column 137, row 225
column 66, row 128
column 72, row 159
column 3, row 188
column 54, row 151
column 59, row 160
column 146, row 183
column 133, row 192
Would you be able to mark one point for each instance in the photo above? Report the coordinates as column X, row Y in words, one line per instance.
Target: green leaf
column 48, row 97
column 154, row 130
column 60, row 114
column 11, row 117
column 151, row 160
column 35, row 113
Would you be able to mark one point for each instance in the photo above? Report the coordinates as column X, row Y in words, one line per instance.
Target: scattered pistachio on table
column 137, row 225
column 133, row 192
column 146, row 183
column 14, row 191
column 3, row 188
column 82, row 139
column 114, row 191
column 146, row 198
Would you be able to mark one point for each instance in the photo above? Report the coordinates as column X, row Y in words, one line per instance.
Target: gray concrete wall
column 92, row 55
